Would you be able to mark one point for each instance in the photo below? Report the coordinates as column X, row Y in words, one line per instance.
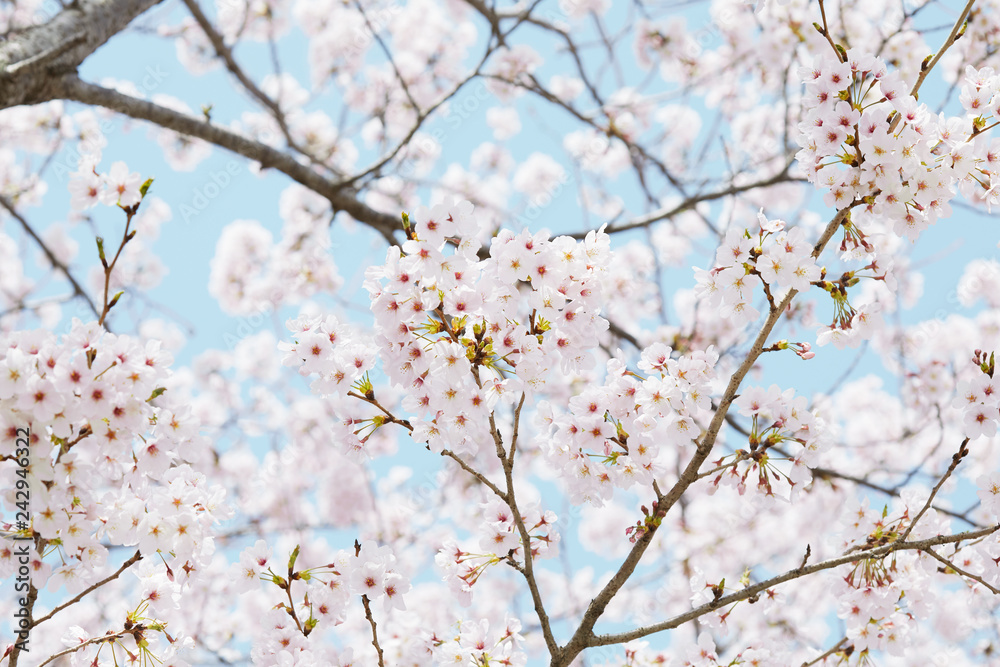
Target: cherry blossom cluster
column 881, row 599
column 477, row 643
column 866, row 139
column 460, row 334
column 989, row 496
column 144, row 638
column 979, row 398
column 785, row 439
column 287, row 633
column 110, row 453
column 673, row 44
column 118, row 186
column 782, row 259
column 500, row 541
column 852, row 325
column 512, row 66
column 777, row 258
column 625, row 431
column 251, row 272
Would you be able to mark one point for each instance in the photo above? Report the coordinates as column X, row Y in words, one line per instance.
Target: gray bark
column 39, row 65
column 32, row 59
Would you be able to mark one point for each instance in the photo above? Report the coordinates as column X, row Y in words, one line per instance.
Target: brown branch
column 371, row 621
column 595, row 610
column 108, row 268
column 690, row 202
column 951, row 39
column 70, row 87
column 136, row 557
column 964, row 573
column 29, row 59
column 750, row 591
column 826, row 32
column 77, row 289
column 226, row 54
column 110, row 637
column 618, row 331
column 825, row 473
column 388, row 56
column 422, row 116
column 513, row 437
column 475, row 473
column 963, row 451
column 528, row 570
column 833, row 649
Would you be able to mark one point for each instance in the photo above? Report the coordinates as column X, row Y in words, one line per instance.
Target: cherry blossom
column 547, row 333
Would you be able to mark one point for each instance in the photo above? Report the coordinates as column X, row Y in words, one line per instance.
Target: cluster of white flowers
column 625, row 431
column 781, row 259
column 288, row 634
column 783, row 429
column 461, row 334
column 109, row 456
column 499, row 540
column 979, row 398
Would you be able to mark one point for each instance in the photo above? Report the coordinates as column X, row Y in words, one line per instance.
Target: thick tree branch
column 39, row 65
column 581, row 638
column 30, row 59
column 798, row 573
column 70, row 87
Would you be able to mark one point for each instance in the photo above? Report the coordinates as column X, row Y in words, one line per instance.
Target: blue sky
column 187, row 246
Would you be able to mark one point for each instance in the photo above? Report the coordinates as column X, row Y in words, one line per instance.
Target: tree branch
column 70, row 87
column 692, row 201
column 136, row 557
column 77, row 289
column 226, row 54
column 29, row 60
column 750, row 591
column 953, row 37
column 964, row 573
column 584, row 632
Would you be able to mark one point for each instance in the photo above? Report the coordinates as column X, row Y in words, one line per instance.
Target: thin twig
column 833, row 649
column 136, row 557
column 955, row 460
column 77, row 289
column 93, row 640
column 951, row 39
column 964, row 573
column 371, row 621
column 790, row 575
